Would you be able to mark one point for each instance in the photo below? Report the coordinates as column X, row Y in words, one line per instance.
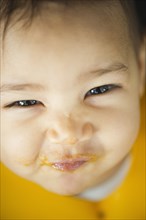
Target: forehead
column 95, row 16
column 80, row 33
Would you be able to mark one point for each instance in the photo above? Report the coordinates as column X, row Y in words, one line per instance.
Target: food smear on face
column 69, row 163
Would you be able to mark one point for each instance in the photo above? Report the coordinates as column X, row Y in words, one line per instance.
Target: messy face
column 70, row 98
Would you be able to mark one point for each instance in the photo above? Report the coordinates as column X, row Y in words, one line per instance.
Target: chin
column 68, row 192
column 65, row 191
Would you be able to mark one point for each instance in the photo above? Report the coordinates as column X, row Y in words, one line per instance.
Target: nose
column 68, row 131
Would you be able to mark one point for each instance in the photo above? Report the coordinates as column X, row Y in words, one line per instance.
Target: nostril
column 64, row 138
column 69, row 132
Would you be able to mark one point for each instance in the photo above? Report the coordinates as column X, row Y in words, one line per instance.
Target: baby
column 72, row 74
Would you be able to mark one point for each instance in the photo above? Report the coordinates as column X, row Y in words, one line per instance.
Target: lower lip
column 68, row 166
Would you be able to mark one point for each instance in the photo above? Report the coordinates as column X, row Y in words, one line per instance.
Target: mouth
column 69, row 164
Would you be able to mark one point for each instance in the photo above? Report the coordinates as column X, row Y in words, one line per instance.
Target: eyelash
column 92, row 92
column 101, row 89
column 24, row 103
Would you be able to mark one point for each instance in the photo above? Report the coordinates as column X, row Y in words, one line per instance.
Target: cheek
column 120, row 130
column 20, row 143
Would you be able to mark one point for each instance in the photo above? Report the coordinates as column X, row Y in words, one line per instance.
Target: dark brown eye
column 24, row 103
column 100, row 90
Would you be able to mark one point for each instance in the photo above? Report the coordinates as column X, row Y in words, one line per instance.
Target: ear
column 142, row 66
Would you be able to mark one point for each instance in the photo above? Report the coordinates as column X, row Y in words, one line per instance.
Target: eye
column 24, row 103
column 101, row 89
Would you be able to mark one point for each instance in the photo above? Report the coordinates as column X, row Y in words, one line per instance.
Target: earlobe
column 142, row 66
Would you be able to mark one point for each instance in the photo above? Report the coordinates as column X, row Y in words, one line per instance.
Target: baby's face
column 70, row 99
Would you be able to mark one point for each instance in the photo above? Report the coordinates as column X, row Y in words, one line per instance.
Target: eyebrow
column 98, row 72
column 20, row 87
column 114, row 67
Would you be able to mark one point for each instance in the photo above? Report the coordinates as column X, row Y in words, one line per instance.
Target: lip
column 69, row 163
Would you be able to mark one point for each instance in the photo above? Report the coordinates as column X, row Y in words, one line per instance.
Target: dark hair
column 140, row 9
column 29, row 8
